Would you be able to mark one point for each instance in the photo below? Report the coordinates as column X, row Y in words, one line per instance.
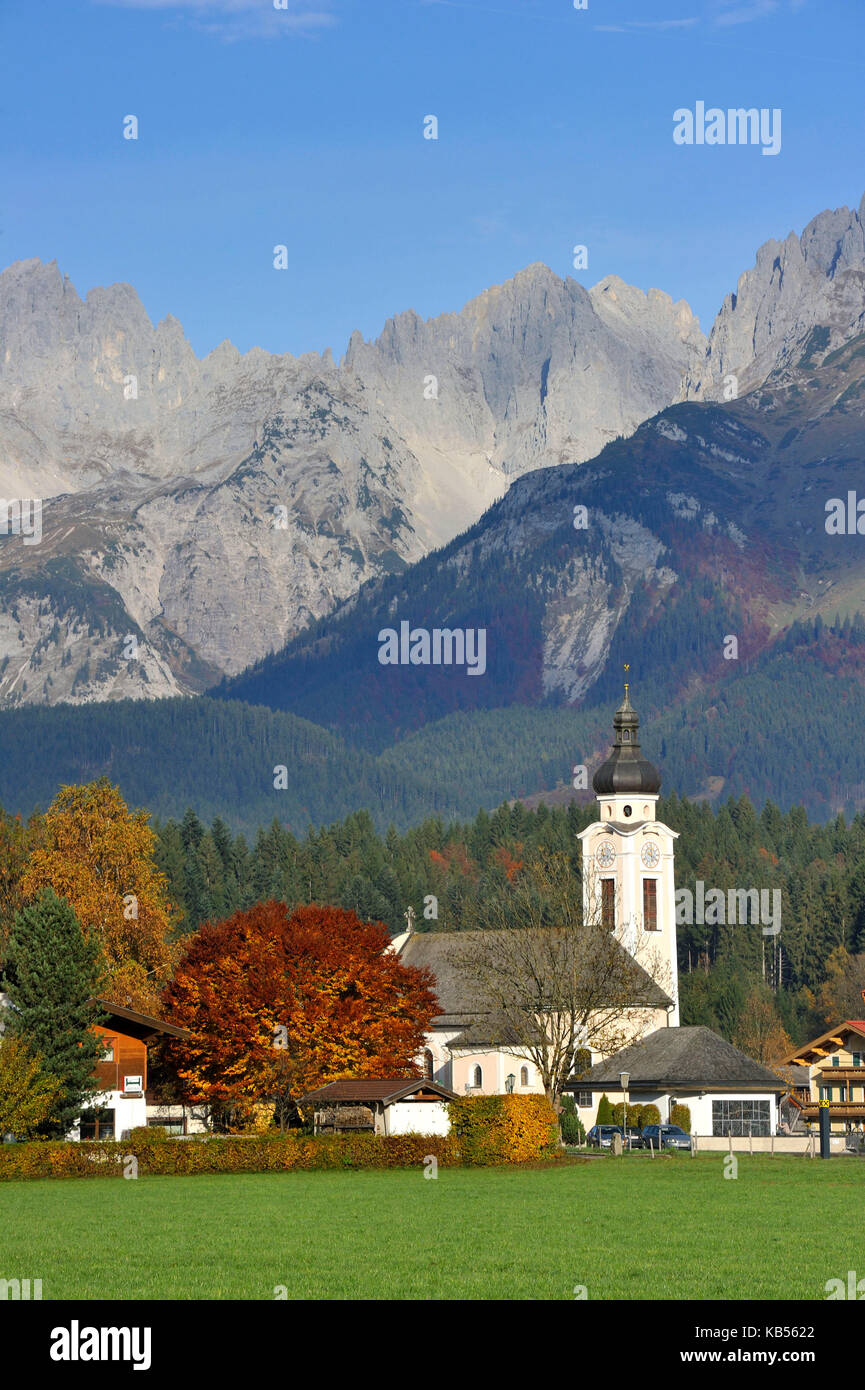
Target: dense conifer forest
column 783, row 726
column 801, row 979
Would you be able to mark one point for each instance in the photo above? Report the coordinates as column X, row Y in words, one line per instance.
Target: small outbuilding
column 727, row 1092
column 389, row 1105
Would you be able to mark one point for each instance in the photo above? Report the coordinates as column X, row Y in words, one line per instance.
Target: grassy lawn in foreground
column 673, row 1228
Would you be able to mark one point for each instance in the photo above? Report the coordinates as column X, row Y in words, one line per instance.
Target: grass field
column 625, row 1229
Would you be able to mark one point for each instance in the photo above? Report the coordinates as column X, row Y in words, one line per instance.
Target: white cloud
column 630, row 25
column 728, row 12
column 235, row 19
column 664, row 23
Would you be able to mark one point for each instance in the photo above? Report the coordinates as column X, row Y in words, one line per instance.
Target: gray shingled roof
column 682, row 1057
column 459, row 1006
column 797, row 1076
column 491, row 1031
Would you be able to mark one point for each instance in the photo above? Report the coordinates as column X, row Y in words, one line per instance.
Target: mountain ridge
column 214, row 509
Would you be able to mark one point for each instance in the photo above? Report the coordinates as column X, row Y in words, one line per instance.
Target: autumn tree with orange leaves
column 98, row 855
column 278, row 1003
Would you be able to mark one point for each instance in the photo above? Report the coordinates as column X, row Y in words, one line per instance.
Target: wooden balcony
column 838, row 1110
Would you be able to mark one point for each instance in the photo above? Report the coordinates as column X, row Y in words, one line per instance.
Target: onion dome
column 626, row 771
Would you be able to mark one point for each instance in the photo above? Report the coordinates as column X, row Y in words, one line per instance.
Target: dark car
column 633, row 1137
column 601, row 1136
column 665, row 1136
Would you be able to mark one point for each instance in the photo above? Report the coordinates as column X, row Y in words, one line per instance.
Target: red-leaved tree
column 278, row 1003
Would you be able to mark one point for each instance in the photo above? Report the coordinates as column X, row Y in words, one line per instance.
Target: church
column 628, row 885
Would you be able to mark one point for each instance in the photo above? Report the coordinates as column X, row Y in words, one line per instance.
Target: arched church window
column 626, row 735
column 524, row 1076
column 427, row 1064
column 477, row 1077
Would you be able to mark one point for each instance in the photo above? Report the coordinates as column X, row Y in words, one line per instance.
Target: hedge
column 503, row 1129
column 216, row 1154
column 485, row 1129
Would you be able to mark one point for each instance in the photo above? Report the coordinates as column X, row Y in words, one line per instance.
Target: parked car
column 601, row 1136
column 666, row 1136
column 633, row 1137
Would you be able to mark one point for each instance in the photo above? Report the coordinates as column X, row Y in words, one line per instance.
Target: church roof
column 460, row 1004
column 494, row 1031
column 626, row 772
column 683, row 1057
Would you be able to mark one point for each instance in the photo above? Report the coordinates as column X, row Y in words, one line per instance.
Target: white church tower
column 628, row 857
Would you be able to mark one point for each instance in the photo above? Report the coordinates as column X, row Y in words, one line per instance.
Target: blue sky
column 304, row 126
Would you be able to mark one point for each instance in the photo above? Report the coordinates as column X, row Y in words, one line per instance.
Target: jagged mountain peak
column 816, row 280
column 221, row 505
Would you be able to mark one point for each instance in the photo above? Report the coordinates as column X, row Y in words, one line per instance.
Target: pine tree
column 53, row 971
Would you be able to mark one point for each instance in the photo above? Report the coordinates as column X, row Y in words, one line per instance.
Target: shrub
column 486, row 1129
column 573, row 1131
column 634, row 1115
column 681, row 1115
column 605, row 1111
column 231, row 1154
column 503, row 1129
column 651, row 1116
column 146, row 1134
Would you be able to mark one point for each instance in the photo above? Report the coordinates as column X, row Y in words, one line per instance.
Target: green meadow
column 621, row 1228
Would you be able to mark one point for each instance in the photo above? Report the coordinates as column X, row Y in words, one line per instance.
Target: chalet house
column 122, row 1072
column 834, row 1066
column 394, row 1105
column 121, row 1103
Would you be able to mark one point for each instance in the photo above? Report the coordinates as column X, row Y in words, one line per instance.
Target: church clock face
column 651, row 856
column 606, row 855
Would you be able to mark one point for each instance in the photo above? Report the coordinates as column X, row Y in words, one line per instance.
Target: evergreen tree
column 605, row 1111
column 53, row 972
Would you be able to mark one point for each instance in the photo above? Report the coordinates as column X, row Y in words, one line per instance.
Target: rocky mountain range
column 708, row 522
column 213, row 510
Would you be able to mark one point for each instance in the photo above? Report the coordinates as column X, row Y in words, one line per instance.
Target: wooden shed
column 389, row 1105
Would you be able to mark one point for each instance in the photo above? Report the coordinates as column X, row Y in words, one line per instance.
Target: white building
column 628, row 859
column 726, row 1092
column 386, row 1106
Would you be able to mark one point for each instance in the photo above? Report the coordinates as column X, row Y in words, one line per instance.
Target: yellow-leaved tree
column 98, row 855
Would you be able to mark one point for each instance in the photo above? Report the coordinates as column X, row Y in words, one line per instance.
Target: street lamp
column 624, row 1079
column 509, row 1083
